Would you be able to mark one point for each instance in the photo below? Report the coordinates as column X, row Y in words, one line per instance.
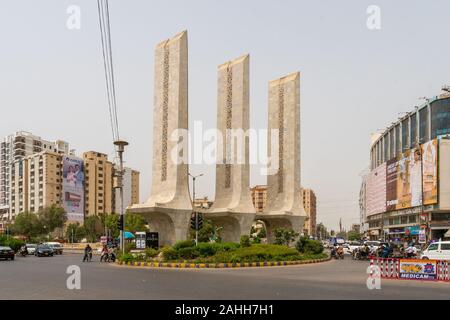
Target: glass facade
column 413, row 127
column 440, row 118
column 402, row 137
column 398, row 142
column 423, row 125
column 405, row 135
column 391, row 144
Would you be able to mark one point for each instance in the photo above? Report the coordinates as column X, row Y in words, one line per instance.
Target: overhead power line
column 103, row 15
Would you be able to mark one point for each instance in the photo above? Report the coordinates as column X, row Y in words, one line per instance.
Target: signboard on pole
column 140, row 240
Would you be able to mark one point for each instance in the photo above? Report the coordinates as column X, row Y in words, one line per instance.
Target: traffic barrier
column 442, row 271
column 389, row 268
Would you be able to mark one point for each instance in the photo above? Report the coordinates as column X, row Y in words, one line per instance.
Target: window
column 423, row 125
column 386, row 148
column 440, row 118
column 391, row 144
column 433, row 246
column 398, row 141
column 413, row 128
column 445, row 246
column 405, row 135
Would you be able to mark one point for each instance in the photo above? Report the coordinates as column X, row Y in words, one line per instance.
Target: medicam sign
column 418, row 269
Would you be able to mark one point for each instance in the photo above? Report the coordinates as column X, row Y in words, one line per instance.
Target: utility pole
column 120, row 144
column 193, row 204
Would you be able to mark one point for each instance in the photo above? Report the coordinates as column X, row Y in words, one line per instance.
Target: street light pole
column 120, row 144
column 193, row 204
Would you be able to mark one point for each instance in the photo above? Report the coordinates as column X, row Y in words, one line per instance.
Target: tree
column 284, row 236
column 52, row 217
column 354, row 235
column 205, row 233
column 27, row 224
column 93, row 228
column 322, row 231
column 134, row 223
column 75, row 232
column 111, row 222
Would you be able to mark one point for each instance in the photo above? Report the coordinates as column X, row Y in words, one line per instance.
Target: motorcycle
column 23, row 252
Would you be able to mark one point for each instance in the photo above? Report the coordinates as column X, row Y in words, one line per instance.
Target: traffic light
column 120, row 223
column 193, row 224
column 200, row 221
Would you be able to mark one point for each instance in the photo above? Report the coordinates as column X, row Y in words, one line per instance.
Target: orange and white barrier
column 411, row 269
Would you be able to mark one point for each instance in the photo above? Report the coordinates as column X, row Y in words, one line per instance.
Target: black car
column 43, row 251
column 6, row 253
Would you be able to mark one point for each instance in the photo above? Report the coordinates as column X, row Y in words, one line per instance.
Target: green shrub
column 305, row 245
column 183, row 244
column 257, row 240
column 257, row 253
column 129, row 246
column 151, row 253
column 188, row 253
column 14, row 244
column 127, row 257
column 313, row 246
column 169, row 253
column 210, row 249
column 245, row 241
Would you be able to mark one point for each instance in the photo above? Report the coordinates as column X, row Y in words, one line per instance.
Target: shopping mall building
column 406, row 192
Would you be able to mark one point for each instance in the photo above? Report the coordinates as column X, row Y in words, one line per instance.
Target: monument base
column 172, row 225
column 276, row 220
column 234, row 224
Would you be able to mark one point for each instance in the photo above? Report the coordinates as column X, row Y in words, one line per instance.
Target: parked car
column 6, row 253
column 437, row 251
column 56, row 246
column 31, row 248
column 43, row 250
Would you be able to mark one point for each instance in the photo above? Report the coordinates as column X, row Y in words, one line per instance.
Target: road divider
column 182, row 265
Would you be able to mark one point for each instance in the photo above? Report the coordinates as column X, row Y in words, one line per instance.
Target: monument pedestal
column 234, row 224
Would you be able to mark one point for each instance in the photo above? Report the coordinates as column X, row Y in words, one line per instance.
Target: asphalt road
column 45, row 278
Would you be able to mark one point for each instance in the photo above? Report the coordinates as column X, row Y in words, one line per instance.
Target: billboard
column 404, row 181
column 391, row 184
column 376, row 191
column 418, row 269
column 430, row 163
column 73, row 188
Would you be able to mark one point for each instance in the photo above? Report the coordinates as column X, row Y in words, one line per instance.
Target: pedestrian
column 87, row 253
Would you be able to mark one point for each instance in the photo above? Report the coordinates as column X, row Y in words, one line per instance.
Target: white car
column 31, row 248
column 437, row 251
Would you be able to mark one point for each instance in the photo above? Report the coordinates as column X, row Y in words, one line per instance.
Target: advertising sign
column 376, row 191
column 422, row 236
column 73, row 188
column 391, row 184
column 140, row 240
column 430, row 185
column 418, row 269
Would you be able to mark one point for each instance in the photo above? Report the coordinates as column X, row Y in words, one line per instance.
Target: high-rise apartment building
column 259, row 197
column 35, row 183
column 16, row 147
column 99, row 195
column 310, row 205
column 130, row 182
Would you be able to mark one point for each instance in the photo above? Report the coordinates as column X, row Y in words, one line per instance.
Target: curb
column 182, row 265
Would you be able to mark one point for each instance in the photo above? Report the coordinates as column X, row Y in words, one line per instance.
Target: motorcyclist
column 411, row 251
column 23, row 250
column 340, row 251
column 105, row 252
column 87, row 253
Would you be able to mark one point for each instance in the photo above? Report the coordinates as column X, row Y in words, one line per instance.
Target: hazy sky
column 354, row 81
